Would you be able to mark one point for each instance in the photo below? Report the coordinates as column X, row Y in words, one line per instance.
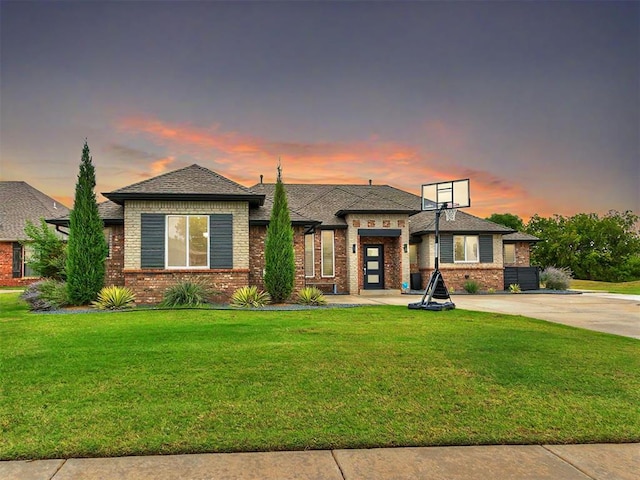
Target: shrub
column 185, row 294
column 248, row 297
column 515, row 288
column 311, row 296
column 46, row 295
column 556, row 278
column 491, row 290
column 49, row 255
column 471, row 286
column 114, row 298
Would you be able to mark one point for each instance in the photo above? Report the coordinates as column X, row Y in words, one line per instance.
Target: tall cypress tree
column 87, row 247
column 280, row 267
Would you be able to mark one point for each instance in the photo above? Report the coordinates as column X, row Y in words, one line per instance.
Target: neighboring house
column 193, row 224
column 20, row 202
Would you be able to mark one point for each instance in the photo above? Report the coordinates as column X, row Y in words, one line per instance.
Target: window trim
column 313, row 255
column 477, row 238
column 187, row 240
column 333, row 253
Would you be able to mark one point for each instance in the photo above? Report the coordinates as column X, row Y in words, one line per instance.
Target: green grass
column 630, row 288
column 161, row 382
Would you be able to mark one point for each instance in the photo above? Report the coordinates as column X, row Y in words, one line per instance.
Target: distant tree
column 508, row 220
column 603, row 248
column 49, row 252
column 87, row 247
column 280, row 268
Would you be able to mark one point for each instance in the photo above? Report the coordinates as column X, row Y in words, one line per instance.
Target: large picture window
column 328, row 256
column 187, row 241
column 309, row 260
column 465, row 248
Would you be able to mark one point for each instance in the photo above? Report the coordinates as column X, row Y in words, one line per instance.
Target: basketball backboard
column 454, row 193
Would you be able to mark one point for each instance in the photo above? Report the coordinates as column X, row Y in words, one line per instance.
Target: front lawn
column 629, row 288
column 161, row 382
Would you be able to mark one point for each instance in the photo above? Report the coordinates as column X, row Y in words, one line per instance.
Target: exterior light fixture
column 353, row 248
column 405, row 248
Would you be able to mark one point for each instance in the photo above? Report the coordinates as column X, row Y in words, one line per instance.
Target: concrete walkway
column 521, row 462
column 602, row 312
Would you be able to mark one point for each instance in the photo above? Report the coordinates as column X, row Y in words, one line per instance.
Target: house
column 20, row 202
column 194, row 224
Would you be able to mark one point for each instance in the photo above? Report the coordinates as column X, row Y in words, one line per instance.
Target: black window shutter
column 446, row 248
column 221, row 240
column 152, row 240
column 17, row 260
column 486, row 248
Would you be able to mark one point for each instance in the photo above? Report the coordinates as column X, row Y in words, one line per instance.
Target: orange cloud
column 244, row 158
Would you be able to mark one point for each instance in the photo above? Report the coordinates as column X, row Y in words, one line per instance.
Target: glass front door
column 373, row 267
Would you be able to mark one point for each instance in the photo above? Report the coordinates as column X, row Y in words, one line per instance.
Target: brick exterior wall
column 6, row 268
column 114, row 264
column 341, row 271
column 257, row 236
column 149, row 285
column 392, row 261
column 455, row 278
column 523, row 254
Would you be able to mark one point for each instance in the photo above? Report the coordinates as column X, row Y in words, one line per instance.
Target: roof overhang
column 379, row 232
column 120, row 198
column 342, row 213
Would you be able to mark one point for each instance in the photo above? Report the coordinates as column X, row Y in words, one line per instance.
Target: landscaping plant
column 249, row 297
column 46, row 295
column 49, row 255
column 311, row 296
column 515, row 288
column 556, row 278
column 114, row 298
column 471, row 286
column 87, row 248
column 280, row 267
column 185, row 294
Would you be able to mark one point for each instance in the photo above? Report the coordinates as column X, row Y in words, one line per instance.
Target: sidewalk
column 521, row 462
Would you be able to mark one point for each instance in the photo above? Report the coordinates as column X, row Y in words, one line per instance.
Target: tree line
column 593, row 247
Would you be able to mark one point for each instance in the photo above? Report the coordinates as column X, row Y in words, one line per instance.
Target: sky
column 537, row 103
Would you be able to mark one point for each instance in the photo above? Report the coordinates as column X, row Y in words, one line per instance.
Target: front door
column 373, row 267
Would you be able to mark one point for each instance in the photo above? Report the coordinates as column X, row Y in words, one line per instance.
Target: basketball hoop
column 450, row 214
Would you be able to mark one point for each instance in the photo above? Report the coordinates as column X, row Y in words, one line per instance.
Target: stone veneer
column 396, row 260
column 149, row 285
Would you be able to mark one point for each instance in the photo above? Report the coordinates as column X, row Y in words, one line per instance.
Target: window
column 465, row 248
column 509, row 253
column 187, row 241
column 108, row 239
column 413, row 254
column 27, row 253
column 309, row 267
column 327, row 254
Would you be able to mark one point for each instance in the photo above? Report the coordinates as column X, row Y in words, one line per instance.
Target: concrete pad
column 29, row 469
column 603, row 461
column 456, row 463
column 315, row 465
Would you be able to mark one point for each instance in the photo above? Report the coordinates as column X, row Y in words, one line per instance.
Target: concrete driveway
column 602, row 312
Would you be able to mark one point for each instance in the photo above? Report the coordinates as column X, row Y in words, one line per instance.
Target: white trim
column 333, row 253
column 166, row 244
column 313, row 255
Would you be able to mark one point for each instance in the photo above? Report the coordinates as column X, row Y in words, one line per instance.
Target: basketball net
column 450, row 214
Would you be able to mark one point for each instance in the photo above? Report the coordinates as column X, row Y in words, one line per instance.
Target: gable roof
column 20, row 202
column 425, row 222
column 189, row 183
column 329, row 204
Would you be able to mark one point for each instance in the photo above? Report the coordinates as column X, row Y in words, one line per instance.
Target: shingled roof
column 519, row 237
column 20, row 202
column 330, row 203
column 425, row 222
column 190, row 183
column 110, row 212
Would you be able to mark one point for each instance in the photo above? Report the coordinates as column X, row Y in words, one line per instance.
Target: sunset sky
column 536, row 102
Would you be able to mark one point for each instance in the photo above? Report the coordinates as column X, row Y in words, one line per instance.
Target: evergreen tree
column 280, row 267
column 86, row 247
